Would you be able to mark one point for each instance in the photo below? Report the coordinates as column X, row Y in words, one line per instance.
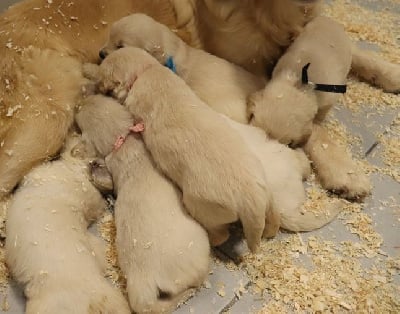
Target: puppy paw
column 390, row 78
column 348, row 182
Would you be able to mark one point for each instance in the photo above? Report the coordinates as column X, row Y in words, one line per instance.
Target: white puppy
column 161, row 250
column 286, row 109
column 285, row 170
column 219, row 83
column 221, row 181
column 48, row 248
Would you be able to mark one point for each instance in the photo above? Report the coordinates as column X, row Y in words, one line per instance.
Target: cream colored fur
column 285, row 171
column 48, row 248
column 251, row 33
column 41, row 48
column 160, row 248
column 341, row 175
column 286, row 109
column 219, row 83
column 221, row 181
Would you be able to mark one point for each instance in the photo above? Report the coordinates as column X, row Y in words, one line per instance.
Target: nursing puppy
column 220, row 180
column 161, row 250
column 285, row 171
column 50, row 251
column 219, row 83
column 286, row 109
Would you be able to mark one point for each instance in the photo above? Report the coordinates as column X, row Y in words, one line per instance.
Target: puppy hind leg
column 375, row 70
column 213, row 217
column 335, row 168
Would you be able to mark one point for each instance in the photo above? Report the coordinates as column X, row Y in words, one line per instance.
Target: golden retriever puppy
column 221, row 181
column 286, row 109
column 161, row 250
column 49, row 249
column 42, row 45
column 219, row 83
column 285, row 171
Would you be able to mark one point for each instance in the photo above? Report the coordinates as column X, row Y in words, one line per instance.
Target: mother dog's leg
column 336, row 170
column 375, row 70
column 39, row 108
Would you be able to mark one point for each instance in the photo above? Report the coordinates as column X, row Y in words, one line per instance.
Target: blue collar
column 170, row 64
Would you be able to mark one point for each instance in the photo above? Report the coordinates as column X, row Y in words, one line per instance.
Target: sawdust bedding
column 301, row 273
column 322, row 274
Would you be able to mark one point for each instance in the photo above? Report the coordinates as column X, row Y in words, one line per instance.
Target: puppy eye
column 120, row 45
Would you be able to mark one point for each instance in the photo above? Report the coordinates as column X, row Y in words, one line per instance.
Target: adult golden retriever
column 42, row 45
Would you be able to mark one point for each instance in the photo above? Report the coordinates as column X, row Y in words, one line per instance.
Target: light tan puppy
column 48, row 248
column 220, row 180
column 219, row 83
column 285, row 171
column 161, row 249
column 330, row 60
column 286, row 109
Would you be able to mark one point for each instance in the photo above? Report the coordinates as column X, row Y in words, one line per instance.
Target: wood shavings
column 4, row 274
column 335, row 282
column 107, row 230
column 221, row 289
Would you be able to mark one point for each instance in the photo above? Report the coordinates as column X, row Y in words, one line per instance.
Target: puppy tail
column 376, row 71
column 300, row 220
column 146, row 299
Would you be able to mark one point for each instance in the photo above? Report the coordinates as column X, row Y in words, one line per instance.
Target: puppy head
column 102, row 120
column 141, row 31
column 284, row 109
column 121, row 69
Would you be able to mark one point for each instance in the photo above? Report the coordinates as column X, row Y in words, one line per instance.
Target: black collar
column 328, row 88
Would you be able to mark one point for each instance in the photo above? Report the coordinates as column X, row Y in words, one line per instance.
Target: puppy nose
column 102, row 54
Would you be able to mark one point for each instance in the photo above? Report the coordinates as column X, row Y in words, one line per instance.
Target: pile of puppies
column 176, row 148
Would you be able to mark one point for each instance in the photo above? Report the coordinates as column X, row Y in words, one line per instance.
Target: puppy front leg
column 336, row 170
